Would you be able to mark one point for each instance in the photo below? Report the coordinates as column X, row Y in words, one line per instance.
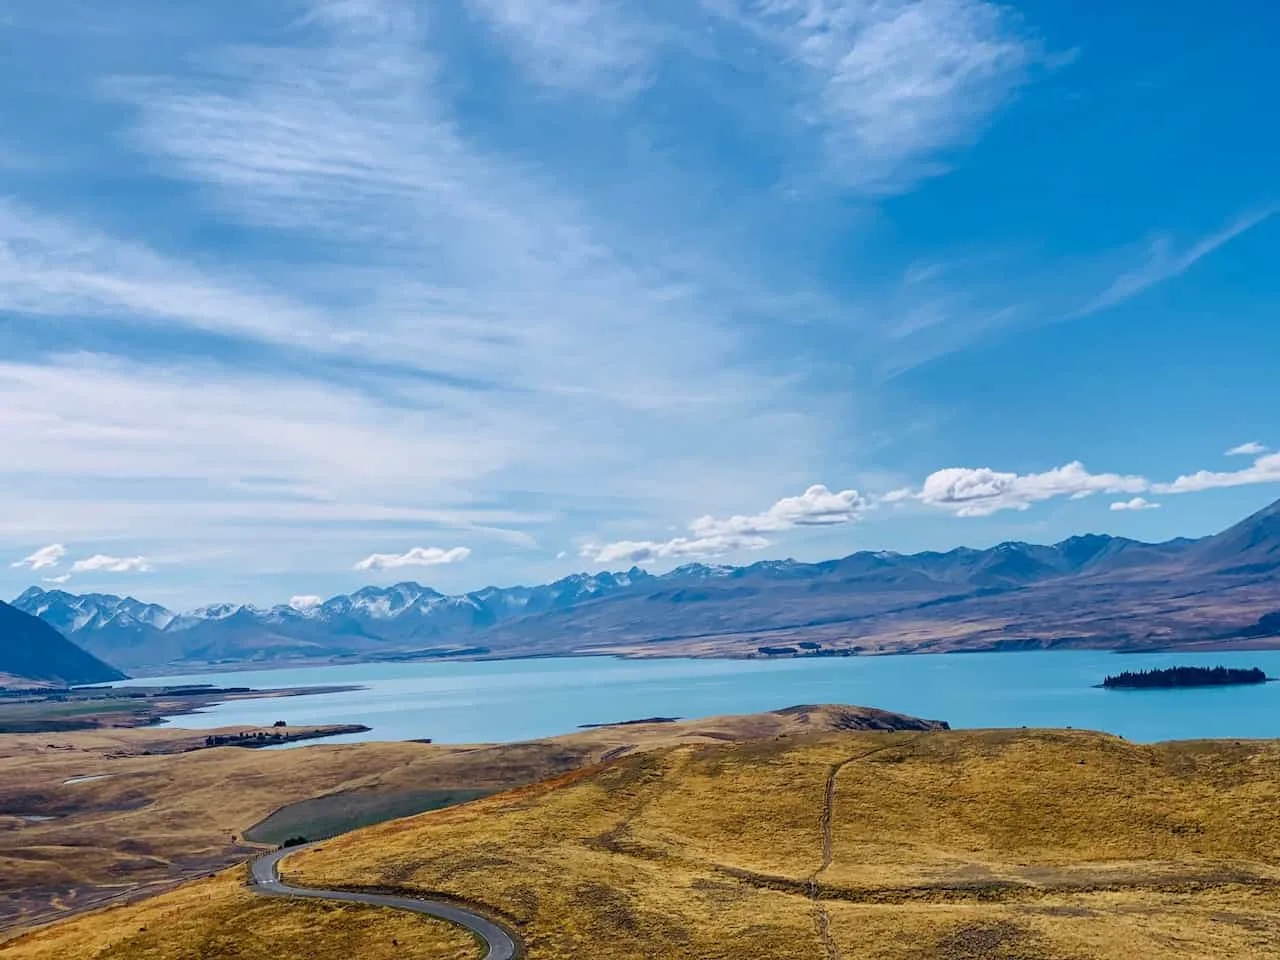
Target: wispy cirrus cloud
column 600, row 48
column 887, row 89
column 415, row 557
column 1250, row 449
column 936, row 313
column 52, row 266
column 178, row 453
column 442, row 255
column 338, row 295
column 1163, row 261
column 890, row 87
column 133, row 419
column 475, row 284
column 344, row 139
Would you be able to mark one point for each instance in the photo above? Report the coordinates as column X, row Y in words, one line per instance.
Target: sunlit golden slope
column 220, row 919
column 140, row 818
column 901, row 845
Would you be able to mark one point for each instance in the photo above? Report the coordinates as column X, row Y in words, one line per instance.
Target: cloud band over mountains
column 51, row 557
column 416, row 557
column 960, row 491
column 480, row 286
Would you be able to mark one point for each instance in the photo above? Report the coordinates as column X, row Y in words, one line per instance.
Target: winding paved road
column 501, row 944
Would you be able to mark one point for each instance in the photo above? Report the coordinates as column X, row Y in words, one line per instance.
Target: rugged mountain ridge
column 402, row 617
column 1093, row 590
column 32, row 652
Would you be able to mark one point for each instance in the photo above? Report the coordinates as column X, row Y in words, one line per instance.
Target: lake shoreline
column 455, row 702
column 127, row 706
column 1032, row 645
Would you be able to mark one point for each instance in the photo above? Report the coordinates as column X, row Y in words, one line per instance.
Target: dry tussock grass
column 157, row 817
column 945, row 846
column 219, row 919
column 1057, row 809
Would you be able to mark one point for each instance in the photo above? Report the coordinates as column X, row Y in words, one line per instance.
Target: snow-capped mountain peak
column 401, row 616
column 216, row 611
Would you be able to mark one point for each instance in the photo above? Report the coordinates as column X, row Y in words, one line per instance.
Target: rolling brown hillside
column 88, row 817
column 1009, row 844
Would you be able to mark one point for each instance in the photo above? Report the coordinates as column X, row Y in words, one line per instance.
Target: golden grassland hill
column 889, row 846
column 219, row 918
column 131, row 814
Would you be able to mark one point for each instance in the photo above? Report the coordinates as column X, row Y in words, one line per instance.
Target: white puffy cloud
column 57, row 580
column 101, row 562
column 1250, row 449
column 1137, row 503
column 417, row 557
column 680, row 548
column 304, row 603
column 43, row 558
column 965, row 491
column 715, row 537
column 1265, row 469
column 980, row 492
column 817, row 506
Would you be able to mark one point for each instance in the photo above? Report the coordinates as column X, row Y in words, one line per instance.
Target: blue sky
column 298, row 296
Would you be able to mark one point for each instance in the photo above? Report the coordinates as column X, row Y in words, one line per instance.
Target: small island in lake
column 1184, row 677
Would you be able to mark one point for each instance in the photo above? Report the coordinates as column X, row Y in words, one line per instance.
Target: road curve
column 500, row 944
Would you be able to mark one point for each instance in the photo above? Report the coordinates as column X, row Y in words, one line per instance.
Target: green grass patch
column 52, row 715
column 323, row 817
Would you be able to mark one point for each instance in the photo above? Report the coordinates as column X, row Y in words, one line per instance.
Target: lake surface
column 522, row 699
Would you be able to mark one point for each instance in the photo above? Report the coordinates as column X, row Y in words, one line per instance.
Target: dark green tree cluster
column 250, row 738
column 1185, row 677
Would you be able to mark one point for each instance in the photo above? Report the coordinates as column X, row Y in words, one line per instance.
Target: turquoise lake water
column 522, row 699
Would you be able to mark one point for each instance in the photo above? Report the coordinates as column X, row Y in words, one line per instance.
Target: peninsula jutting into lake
column 1185, row 677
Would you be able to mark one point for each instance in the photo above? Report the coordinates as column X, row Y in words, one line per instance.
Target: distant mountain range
column 33, row 653
column 1088, row 591
column 396, row 620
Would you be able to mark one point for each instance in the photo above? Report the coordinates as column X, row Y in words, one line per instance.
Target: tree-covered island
column 1184, row 677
